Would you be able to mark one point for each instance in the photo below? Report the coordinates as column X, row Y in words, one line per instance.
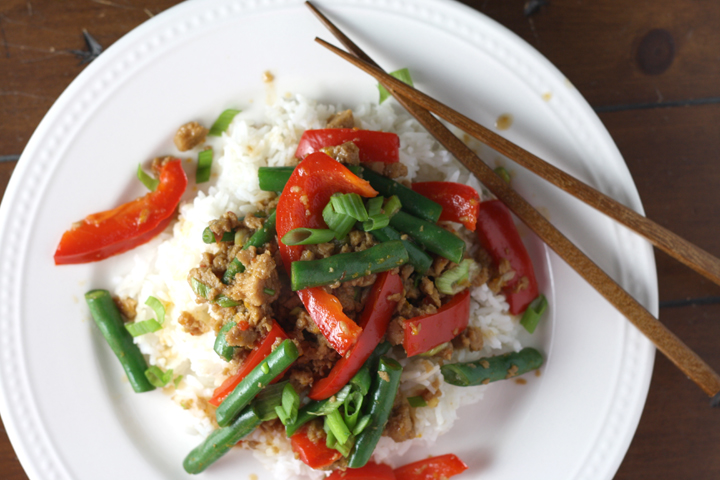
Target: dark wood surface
column 651, row 69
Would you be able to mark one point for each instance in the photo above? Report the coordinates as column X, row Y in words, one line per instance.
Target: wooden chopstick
column 670, row 345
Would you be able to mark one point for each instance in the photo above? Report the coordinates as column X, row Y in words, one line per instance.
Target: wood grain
column 671, row 153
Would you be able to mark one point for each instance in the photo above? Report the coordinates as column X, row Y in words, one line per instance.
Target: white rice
column 161, row 269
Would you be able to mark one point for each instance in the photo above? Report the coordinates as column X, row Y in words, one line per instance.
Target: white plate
column 64, row 402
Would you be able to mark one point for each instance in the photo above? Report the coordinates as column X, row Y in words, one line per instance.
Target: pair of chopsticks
column 420, row 105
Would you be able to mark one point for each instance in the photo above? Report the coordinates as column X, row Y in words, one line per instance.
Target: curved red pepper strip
column 257, row 355
column 371, row 471
column 459, row 202
column 428, row 331
column 499, row 236
column 374, row 322
column 111, row 232
column 304, row 197
column 443, row 466
column 315, row 455
column 374, row 146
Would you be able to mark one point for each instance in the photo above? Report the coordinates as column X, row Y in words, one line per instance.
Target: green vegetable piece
column 316, row 408
column 363, row 422
column 350, row 204
column 273, row 179
column 491, row 369
column 149, row 182
column 340, row 223
column 374, row 206
column 420, row 260
column 269, row 400
column 226, row 302
column 403, row 75
column 209, row 237
column 137, row 329
column 157, row 377
column 287, row 411
column 417, row 402
column 457, row 279
column 336, row 424
column 352, row 405
column 533, row 313
column 221, row 441
column 381, row 397
column 361, row 380
column 269, row 291
column 278, row 360
column 204, row 165
column 223, row 122
column 344, row 267
column 221, row 346
column 233, row 268
column 157, row 307
column 503, row 173
column 435, row 350
column 376, row 222
column 108, row 319
column 392, row 206
column 434, row 238
column 412, row 202
column 307, row 236
column 262, row 235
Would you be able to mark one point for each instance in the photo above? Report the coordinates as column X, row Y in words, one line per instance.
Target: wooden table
column 650, row 69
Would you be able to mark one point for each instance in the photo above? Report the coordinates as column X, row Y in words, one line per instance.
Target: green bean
column 491, row 369
column 412, row 202
column 107, row 318
column 262, row 235
column 420, row 260
column 382, row 395
column 347, row 266
column 220, row 441
column 273, row 179
column 434, row 238
column 261, row 376
column 221, row 346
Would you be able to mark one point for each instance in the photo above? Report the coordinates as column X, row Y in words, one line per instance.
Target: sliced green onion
column 141, row 328
column 503, row 173
column 403, row 75
column 457, row 278
column 361, row 424
column 340, row 223
column 374, row 206
column 417, row 402
column 361, row 381
column 350, row 204
column 226, row 302
column 307, row 236
column 221, row 346
column 269, row 291
column 392, row 206
column 535, row 310
column 435, row 350
column 150, row 182
column 204, row 165
column 177, row 380
column 240, row 237
column 376, row 222
column 288, row 410
column 268, row 400
column 353, row 404
column 223, row 122
column 334, row 421
column 157, row 307
column 157, row 377
column 333, row 403
column 233, row 269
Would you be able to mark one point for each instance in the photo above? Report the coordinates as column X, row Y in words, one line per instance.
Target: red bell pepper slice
column 499, row 236
column 304, row 197
column 428, row 331
column 257, row 355
column 371, row 471
column 374, row 146
column 459, row 202
column 374, row 322
column 443, row 466
column 111, row 232
column 315, row 455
